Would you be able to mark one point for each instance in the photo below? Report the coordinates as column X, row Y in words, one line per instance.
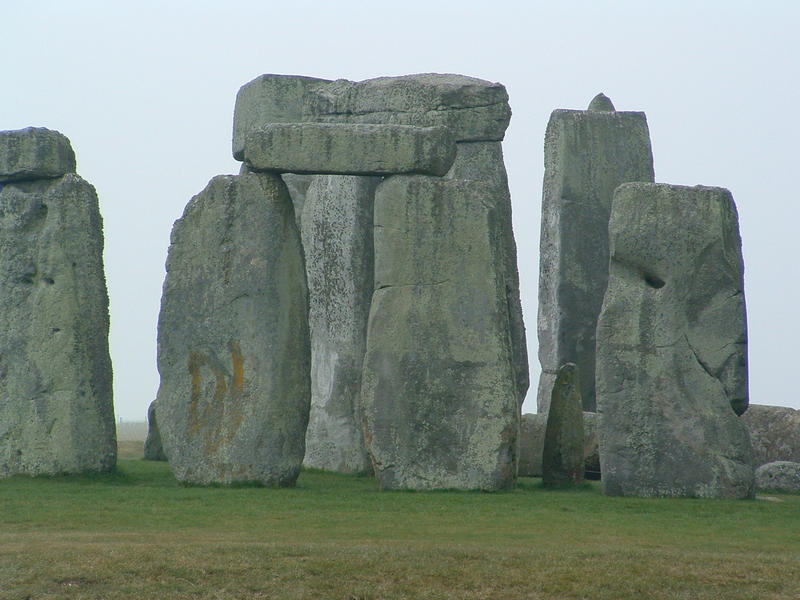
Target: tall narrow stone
column 153, row 448
column 337, row 239
column 438, row 391
column 56, row 405
column 587, row 154
column 562, row 455
column 233, row 350
column 672, row 346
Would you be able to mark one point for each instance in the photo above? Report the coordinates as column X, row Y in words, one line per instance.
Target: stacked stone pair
column 641, row 285
column 417, row 350
column 56, row 405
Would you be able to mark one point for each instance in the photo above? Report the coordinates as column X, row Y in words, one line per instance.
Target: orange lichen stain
column 237, row 385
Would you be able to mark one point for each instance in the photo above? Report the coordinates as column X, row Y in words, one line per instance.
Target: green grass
column 138, row 534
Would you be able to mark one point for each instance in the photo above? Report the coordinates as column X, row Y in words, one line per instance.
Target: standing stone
column 562, row 457
column 153, row 449
column 438, row 390
column 56, row 405
column 337, row 239
column 779, row 476
column 531, row 445
column 587, row 154
column 298, row 186
column 774, row 433
column 672, row 346
column 233, row 350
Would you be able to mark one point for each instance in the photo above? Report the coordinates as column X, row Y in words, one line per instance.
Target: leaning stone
column 531, row 445
column 779, row 476
column 471, row 109
column 56, row 404
column 562, row 456
column 349, row 149
column 233, row 337
column 337, row 239
column 438, row 393
column 774, row 433
column 153, row 449
column 34, row 153
column 672, row 346
column 587, row 154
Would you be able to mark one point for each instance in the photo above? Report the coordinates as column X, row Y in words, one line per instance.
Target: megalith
column 337, row 239
column 56, row 404
column 533, row 427
column 562, row 455
column 672, row 346
column 587, row 154
column 233, row 344
column 153, row 448
column 438, row 393
column 779, row 476
column 774, row 433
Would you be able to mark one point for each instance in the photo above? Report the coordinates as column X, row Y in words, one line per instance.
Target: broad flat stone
column 34, row 153
column 153, row 449
column 233, row 350
column 587, row 154
column 774, row 433
column 779, row 476
column 337, row 240
column 562, row 457
column 672, row 346
column 471, row 109
column 349, row 149
column 438, row 391
column 56, row 404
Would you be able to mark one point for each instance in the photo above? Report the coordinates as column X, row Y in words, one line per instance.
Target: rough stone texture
column 587, row 154
column 337, row 239
column 233, row 351
column 483, row 161
column 56, row 404
column 338, row 148
column 34, row 153
column 779, row 476
column 672, row 346
column 472, row 109
column 297, row 186
column 562, row 456
column 153, row 449
column 438, row 390
column 531, row 445
column 774, row 433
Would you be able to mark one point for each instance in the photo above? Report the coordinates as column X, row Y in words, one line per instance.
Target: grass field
column 138, row 534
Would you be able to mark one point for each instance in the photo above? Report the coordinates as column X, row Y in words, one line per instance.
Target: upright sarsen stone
column 56, row 405
column 672, row 346
column 337, row 239
column 438, row 391
column 233, row 351
column 153, row 449
column 587, row 154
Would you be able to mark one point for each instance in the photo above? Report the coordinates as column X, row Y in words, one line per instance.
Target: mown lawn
column 138, row 534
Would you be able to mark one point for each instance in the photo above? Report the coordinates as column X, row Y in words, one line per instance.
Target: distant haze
column 145, row 91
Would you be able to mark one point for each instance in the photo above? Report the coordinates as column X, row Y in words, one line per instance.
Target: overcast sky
column 145, row 91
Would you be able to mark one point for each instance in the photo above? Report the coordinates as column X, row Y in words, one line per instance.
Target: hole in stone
column 653, row 281
column 48, row 280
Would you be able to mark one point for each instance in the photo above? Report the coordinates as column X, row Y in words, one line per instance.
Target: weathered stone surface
column 56, row 405
column 337, row 239
column 587, row 154
column 34, row 153
column 472, row 109
column 531, row 445
column 338, row 148
column 774, row 433
column 297, row 186
column 438, row 390
column 483, row 161
column 562, row 456
column 153, row 449
column 672, row 346
column 779, row 476
column 233, row 350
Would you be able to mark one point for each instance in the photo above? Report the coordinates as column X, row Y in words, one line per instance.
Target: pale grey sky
column 145, row 91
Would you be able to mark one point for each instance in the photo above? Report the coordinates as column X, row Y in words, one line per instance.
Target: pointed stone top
column 601, row 103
